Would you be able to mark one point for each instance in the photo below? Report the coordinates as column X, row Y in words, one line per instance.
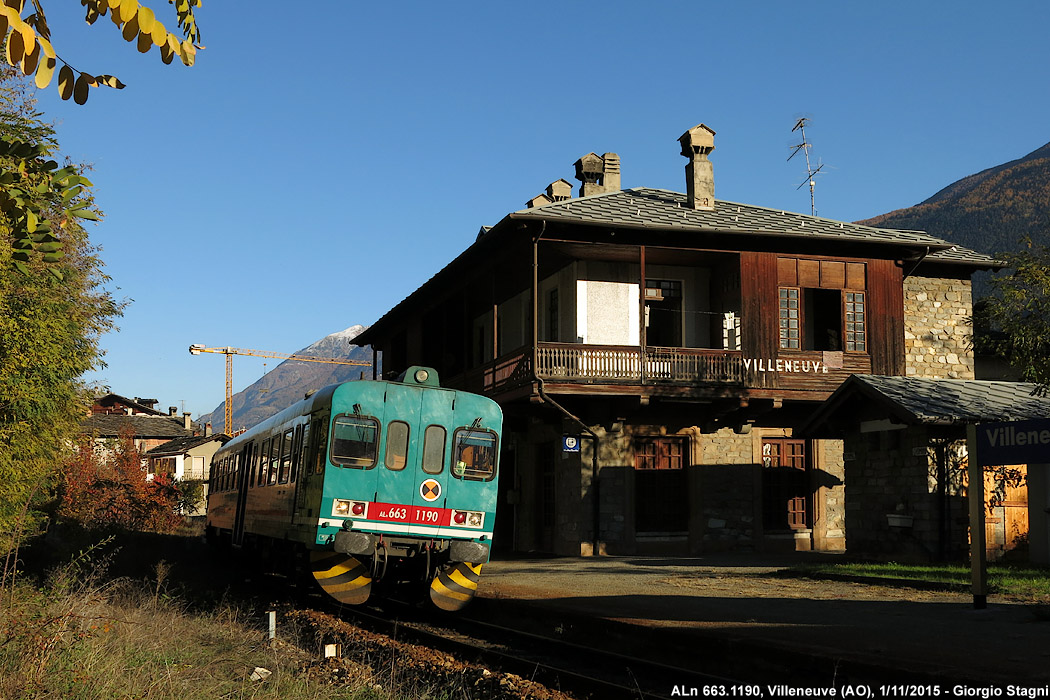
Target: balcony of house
column 608, row 369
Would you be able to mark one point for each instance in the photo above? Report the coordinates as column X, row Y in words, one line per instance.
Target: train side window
column 264, row 463
column 320, row 444
column 434, row 449
column 297, row 450
column 474, row 454
column 396, row 446
column 286, row 457
column 255, row 477
column 355, row 440
column 304, row 451
column 275, row 457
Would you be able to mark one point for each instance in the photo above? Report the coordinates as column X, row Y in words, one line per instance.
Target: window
column 286, row 457
column 659, row 453
column 320, row 442
column 396, row 446
column 355, row 441
column 275, row 458
column 822, row 319
column 790, row 319
column 660, row 489
column 304, row 452
column 264, row 463
column 663, row 313
column 474, row 454
column 785, row 484
column 434, row 449
column 856, row 337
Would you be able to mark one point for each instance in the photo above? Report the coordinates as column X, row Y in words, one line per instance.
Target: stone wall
column 726, row 512
column 937, row 328
column 895, row 508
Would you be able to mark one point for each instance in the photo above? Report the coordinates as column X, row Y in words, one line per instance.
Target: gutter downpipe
column 915, row 263
column 544, row 398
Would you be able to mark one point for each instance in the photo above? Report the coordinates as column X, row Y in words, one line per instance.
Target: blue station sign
column 570, row 443
column 1013, row 442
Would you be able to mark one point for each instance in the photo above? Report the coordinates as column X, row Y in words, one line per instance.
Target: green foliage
column 1019, row 313
column 50, row 326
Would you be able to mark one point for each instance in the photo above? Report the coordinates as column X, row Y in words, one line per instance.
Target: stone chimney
column 697, row 143
column 186, row 422
column 207, row 429
column 557, row 191
column 599, row 174
column 173, row 411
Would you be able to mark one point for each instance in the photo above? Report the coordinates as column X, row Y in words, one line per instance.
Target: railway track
column 578, row 669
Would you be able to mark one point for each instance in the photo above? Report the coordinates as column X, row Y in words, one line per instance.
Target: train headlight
column 358, row 508
column 470, row 518
column 341, row 508
column 348, row 509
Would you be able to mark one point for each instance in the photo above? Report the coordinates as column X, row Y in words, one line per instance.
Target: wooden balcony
column 571, row 363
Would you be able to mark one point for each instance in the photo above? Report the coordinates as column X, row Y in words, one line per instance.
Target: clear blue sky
column 322, row 160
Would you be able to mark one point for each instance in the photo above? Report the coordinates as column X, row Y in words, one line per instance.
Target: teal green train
column 370, row 482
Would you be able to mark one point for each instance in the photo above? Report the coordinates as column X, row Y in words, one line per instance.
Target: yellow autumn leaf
column 5, row 21
column 31, row 60
column 80, row 88
column 128, row 10
column 113, row 4
column 145, row 42
column 146, row 20
column 65, row 82
column 45, row 71
column 28, row 35
column 46, row 47
column 159, row 33
column 188, row 52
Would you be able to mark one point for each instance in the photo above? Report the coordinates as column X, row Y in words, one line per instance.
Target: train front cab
column 409, row 493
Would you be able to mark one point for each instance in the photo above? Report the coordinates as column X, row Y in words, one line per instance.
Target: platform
column 738, row 615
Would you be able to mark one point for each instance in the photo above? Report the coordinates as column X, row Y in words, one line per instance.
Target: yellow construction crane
column 197, row 349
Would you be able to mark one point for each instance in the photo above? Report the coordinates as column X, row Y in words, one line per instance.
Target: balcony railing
column 625, row 364
column 605, row 364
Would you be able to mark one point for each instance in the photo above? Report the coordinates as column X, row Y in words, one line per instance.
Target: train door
column 429, row 487
column 399, row 451
column 242, row 473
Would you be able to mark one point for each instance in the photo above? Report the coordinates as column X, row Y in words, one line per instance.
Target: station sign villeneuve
column 1014, row 442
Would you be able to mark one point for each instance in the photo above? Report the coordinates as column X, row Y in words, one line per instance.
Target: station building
column 655, row 354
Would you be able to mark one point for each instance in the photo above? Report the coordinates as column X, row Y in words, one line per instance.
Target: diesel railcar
column 371, row 482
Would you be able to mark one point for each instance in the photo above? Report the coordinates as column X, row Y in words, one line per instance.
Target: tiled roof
column 185, row 444
column 954, row 401
column 957, row 254
column 648, row 208
column 110, row 425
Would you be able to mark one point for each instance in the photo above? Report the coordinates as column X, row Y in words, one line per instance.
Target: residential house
column 655, row 352
column 187, row 458
column 114, row 415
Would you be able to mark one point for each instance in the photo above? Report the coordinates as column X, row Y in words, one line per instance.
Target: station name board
column 1014, row 442
column 778, row 365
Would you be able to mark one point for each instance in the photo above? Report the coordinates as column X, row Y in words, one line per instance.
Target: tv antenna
column 811, row 172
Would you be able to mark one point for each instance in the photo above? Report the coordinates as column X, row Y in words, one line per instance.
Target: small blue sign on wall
column 570, row 443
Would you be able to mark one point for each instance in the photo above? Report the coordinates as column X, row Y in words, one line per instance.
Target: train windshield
column 354, row 441
column 474, row 454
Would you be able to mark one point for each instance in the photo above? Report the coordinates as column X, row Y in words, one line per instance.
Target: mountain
column 989, row 211
column 289, row 381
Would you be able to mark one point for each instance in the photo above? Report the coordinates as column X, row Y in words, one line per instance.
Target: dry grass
column 79, row 635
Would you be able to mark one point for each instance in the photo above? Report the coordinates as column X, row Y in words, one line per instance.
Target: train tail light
column 469, row 518
column 349, row 509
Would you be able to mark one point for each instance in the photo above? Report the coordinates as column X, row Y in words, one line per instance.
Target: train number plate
column 409, row 514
